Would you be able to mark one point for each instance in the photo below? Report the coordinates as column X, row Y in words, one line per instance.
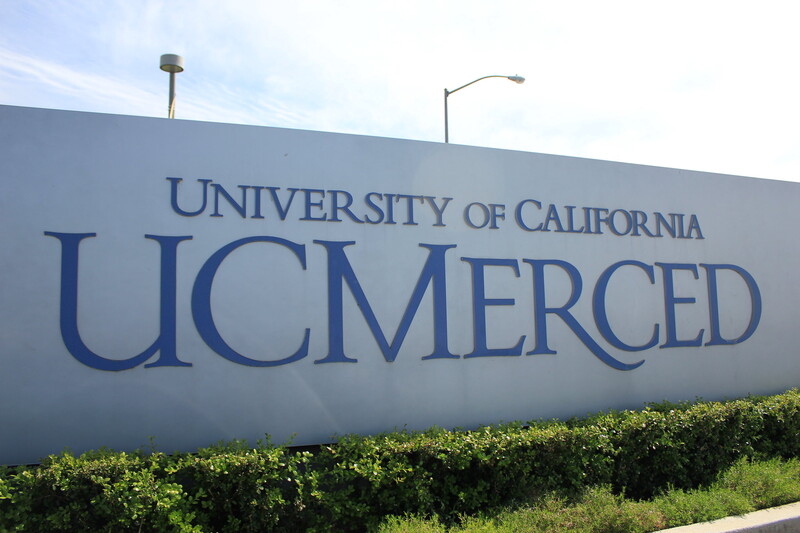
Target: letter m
column 340, row 272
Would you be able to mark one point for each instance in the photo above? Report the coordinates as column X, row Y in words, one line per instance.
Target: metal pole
column 171, row 108
column 446, row 136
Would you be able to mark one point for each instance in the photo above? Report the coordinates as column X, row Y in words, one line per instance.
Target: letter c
column 201, row 303
column 518, row 215
column 599, row 307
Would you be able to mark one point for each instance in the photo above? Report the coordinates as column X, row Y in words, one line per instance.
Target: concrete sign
column 197, row 282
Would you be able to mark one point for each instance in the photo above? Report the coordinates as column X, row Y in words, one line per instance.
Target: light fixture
column 173, row 64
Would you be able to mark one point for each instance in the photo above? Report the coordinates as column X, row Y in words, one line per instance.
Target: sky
column 696, row 84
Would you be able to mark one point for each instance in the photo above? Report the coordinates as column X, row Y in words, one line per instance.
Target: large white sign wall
column 196, row 282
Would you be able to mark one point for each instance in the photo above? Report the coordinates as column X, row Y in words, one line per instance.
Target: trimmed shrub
column 354, row 484
column 237, row 488
column 98, row 491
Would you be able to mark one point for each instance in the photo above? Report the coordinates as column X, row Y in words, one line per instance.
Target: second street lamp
column 515, row 79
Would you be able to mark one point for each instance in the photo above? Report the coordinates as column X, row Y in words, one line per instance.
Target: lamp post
column 173, row 64
column 515, row 79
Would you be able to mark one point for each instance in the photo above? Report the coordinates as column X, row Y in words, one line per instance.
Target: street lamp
column 515, row 79
column 173, row 64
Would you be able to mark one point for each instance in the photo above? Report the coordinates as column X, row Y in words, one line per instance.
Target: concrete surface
column 783, row 519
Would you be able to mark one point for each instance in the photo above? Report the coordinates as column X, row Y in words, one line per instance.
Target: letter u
column 173, row 197
column 165, row 343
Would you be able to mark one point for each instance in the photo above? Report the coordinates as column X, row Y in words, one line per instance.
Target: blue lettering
column 257, row 196
column 571, row 221
column 240, row 208
column 480, row 302
column 485, row 213
column 661, row 222
column 599, row 219
column 613, row 226
column 552, row 216
column 541, row 311
column 599, row 307
column 670, row 301
column 310, row 204
column 713, row 304
column 165, row 343
column 174, row 197
column 409, row 207
column 346, row 207
column 518, row 215
column 201, row 303
column 284, row 210
column 437, row 210
column 375, row 207
column 639, row 221
column 340, row 271
column 694, row 227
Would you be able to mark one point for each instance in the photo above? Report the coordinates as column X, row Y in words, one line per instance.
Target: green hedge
column 353, row 484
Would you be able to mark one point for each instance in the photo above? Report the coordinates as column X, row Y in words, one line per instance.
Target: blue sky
column 701, row 84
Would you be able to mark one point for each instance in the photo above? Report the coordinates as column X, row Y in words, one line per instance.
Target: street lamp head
column 517, row 79
column 172, row 63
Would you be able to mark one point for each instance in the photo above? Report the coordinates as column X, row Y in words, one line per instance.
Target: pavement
column 783, row 519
